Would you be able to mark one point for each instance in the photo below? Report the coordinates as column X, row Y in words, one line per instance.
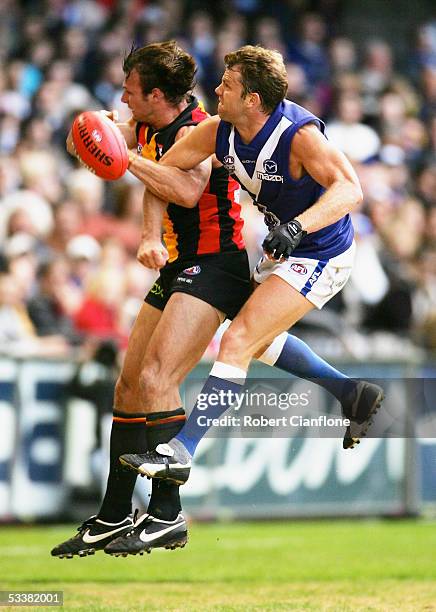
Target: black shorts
column 220, row 279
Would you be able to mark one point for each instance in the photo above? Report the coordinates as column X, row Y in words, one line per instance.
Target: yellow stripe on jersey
column 170, row 238
column 201, row 107
column 149, row 149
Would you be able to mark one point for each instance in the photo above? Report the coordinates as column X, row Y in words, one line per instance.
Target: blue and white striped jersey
column 262, row 169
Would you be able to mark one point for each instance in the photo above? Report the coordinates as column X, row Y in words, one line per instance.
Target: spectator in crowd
column 17, row 333
column 88, row 191
column 377, row 74
column 67, row 223
column 358, row 141
column 426, row 185
column 83, row 253
column 342, row 55
column 57, row 299
column 428, row 80
column 309, row 48
column 99, row 315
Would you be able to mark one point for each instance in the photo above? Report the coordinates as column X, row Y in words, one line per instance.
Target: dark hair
column 262, row 71
column 165, row 66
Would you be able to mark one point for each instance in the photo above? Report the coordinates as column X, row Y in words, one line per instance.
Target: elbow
column 190, row 198
column 358, row 195
column 191, row 202
column 353, row 196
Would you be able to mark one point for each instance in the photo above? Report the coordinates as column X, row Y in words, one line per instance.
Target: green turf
column 323, row 565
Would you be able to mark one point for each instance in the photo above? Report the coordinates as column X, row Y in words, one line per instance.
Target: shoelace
column 87, row 524
column 142, row 519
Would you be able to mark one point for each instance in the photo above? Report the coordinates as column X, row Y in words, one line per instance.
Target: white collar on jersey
column 254, row 184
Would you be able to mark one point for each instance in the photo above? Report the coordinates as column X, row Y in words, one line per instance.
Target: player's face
column 230, row 101
column 138, row 103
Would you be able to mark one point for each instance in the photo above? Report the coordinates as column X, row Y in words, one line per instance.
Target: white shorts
column 318, row 280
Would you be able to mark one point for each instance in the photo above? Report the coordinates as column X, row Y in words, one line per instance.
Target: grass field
column 316, row 565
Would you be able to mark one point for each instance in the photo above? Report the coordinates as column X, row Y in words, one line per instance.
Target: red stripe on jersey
column 141, row 135
column 199, row 115
column 235, row 213
column 209, row 239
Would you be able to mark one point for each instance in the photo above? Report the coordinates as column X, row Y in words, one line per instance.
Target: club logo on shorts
column 299, row 268
column 229, row 163
column 193, row 270
column 96, row 135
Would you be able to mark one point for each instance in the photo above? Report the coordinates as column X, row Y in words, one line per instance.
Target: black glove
column 283, row 239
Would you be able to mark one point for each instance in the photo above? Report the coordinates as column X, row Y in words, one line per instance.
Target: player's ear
column 157, row 94
column 254, row 100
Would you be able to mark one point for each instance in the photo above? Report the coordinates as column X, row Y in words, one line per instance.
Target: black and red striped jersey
column 214, row 225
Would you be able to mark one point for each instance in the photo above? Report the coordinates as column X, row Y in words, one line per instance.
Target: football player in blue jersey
column 306, row 189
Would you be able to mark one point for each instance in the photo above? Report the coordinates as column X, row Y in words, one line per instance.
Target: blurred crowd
column 68, row 273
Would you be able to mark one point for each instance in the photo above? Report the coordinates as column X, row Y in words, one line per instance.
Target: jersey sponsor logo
column 182, row 279
column 270, row 166
column 299, row 268
column 273, row 178
column 192, row 271
column 248, row 161
column 268, row 174
column 229, row 163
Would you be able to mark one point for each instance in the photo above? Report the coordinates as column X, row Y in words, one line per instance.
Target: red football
column 100, row 145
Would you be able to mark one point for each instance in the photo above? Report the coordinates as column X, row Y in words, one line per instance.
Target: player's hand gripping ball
column 100, row 145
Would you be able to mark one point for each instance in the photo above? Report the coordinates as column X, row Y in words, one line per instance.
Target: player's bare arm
column 195, row 147
column 312, row 153
column 172, row 184
column 151, row 252
column 127, row 129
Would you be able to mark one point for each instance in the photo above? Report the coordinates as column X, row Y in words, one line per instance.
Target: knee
column 234, row 341
column 123, row 393
column 150, row 379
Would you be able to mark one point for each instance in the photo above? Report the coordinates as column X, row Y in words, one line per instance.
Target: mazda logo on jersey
column 299, row 268
column 192, row 271
column 269, row 172
column 270, row 166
